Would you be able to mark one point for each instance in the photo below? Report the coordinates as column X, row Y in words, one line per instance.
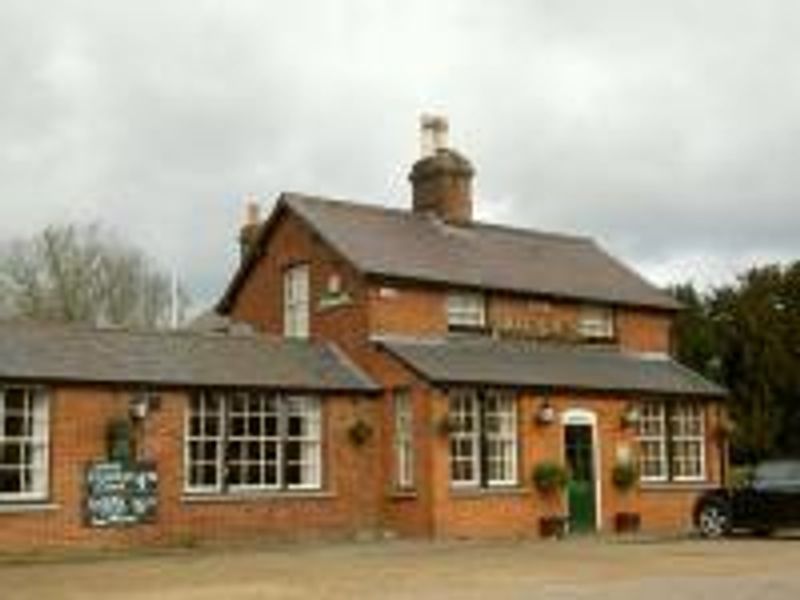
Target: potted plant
column 625, row 476
column 550, row 478
column 119, row 440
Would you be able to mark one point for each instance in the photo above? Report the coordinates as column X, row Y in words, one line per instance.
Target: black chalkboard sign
column 119, row 494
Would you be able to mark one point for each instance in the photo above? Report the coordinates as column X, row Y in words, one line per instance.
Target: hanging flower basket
column 360, row 432
column 119, row 440
column 625, row 476
column 725, row 429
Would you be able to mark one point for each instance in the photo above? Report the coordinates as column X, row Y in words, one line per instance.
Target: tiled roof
column 399, row 243
column 527, row 364
column 72, row 354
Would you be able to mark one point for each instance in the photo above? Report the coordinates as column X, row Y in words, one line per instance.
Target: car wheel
column 713, row 520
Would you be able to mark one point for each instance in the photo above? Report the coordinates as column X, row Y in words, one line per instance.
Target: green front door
column 581, row 488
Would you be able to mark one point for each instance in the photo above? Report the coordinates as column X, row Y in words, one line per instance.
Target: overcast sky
column 668, row 130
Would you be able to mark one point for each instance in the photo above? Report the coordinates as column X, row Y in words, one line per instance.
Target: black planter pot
column 552, row 527
column 627, row 522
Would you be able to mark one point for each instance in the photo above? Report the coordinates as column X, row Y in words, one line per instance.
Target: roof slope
column 399, row 243
column 71, row 354
column 526, row 364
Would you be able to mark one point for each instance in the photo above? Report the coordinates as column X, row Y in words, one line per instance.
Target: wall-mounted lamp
column 631, row 416
column 545, row 414
column 141, row 403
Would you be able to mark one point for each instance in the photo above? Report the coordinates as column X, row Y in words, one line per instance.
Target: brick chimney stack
column 441, row 179
column 249, row 231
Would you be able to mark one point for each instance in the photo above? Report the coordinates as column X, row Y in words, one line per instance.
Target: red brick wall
column 645, row 331
column 406, row 308
column 260, row 300
column 79, row 416
column 516, row 512
column 417, row 309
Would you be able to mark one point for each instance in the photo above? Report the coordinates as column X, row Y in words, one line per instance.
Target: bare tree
column 83, row 274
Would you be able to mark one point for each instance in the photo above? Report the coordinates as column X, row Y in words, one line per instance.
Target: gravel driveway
column 583, row 568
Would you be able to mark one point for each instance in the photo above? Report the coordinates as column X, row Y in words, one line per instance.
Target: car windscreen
column 778, row 471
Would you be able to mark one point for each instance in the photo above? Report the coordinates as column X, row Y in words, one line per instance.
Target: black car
column 768, row 500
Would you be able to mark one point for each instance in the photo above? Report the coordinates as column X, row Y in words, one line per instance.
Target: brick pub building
column 370, row 370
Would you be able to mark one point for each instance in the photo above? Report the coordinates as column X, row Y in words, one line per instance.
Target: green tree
column 746, row 336
column 755, row 365
column 695, row 338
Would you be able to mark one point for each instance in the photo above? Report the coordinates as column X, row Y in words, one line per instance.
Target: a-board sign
column 119, row 494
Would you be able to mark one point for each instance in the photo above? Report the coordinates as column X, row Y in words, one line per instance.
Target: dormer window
column 596, row 322
column 466, row 310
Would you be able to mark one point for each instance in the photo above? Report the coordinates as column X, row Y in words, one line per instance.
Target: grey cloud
column 668, row 130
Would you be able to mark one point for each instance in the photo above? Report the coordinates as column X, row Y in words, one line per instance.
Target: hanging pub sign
column 119, row 494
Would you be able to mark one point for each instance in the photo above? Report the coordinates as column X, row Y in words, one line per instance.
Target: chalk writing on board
column 121, row 494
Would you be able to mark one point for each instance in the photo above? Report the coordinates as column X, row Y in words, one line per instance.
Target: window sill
column 233, row 497
column 403, row 494
column 488, row 492
column 676, row 486
column 27, row 507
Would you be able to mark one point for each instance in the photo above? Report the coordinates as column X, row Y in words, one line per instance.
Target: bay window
column 483, row 438
column 246, row 441
column 24, row 444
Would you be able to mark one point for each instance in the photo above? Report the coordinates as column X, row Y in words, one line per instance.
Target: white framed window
column 464, row 438
column 672, row 441
column 687, row 442
column 24, row 444
column 500, row 430
column 403, row 440
column 203, row 444
column 596, row 322
column 302, row 443
column 466, row 309
column 296, row 301
column 245, row 441
column 483, row 438
column 252, row 444
column 652, row 435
